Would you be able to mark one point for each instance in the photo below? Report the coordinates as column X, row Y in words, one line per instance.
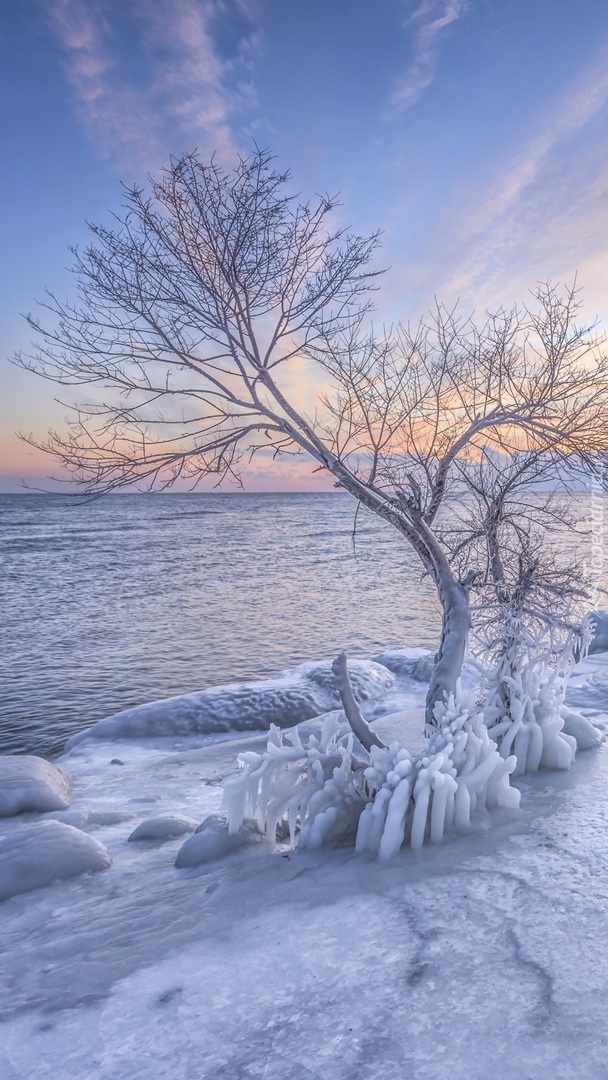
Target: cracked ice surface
column 485, row 956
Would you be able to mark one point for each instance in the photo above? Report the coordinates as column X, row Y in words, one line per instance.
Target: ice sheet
column 485, row 956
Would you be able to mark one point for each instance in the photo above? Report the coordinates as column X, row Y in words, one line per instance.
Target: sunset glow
column 473, row 135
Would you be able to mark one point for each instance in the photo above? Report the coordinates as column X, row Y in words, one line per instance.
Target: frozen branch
column 358, row 724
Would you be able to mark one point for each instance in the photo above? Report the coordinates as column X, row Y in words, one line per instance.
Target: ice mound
column 213, row 841
column 405, row 727
column 33, row 856
column 164, row 827
column 31, row 783
column 369, row 678
column 416, row 664
column 293, row 697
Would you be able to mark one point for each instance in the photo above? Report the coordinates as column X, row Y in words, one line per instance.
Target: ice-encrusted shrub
column 414, row 800
column 324, row 793
column 317, row 789
column 524, row 708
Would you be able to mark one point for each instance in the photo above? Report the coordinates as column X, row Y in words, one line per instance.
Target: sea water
column 112, row 603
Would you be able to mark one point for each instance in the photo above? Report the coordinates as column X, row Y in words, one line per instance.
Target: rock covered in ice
column 213, row 841
column 31, row 783
column 290, row 699
column 164, row 827
column 33, row 856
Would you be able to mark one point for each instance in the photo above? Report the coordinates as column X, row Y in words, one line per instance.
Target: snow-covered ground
column 485, row 956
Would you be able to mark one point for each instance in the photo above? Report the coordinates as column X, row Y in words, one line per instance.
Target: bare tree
column 530, row 610
column 190, row 311
column 524, row 392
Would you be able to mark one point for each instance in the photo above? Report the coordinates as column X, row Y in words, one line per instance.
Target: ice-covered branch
column 359, row 725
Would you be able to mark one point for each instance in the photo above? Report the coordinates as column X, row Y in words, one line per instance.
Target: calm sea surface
column 138, row 596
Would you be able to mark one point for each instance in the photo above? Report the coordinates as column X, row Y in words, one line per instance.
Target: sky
column 473, row 133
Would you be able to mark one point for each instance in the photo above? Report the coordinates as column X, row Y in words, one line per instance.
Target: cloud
column 542, row 215
column 171, row 91
column 428, row 25
column 286, row 474
column 574, row 113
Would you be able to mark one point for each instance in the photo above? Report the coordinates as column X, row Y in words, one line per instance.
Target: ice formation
column 317, row 787
column 29, row 783
column 325, row 793
column 36, row 855
column 525, row 711
column 416, row 799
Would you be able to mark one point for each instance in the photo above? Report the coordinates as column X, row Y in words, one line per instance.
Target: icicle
column 462, row 807
column 422, row 795
column 394, row 828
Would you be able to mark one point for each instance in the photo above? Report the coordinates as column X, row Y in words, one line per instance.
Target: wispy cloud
column 574, row 113
column 172, row 91
column 543, row 214
column 428, row 25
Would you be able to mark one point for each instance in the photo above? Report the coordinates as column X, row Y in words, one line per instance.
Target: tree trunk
column 454, row 596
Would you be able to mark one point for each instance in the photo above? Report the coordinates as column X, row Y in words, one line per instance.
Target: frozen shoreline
column 484, row 954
